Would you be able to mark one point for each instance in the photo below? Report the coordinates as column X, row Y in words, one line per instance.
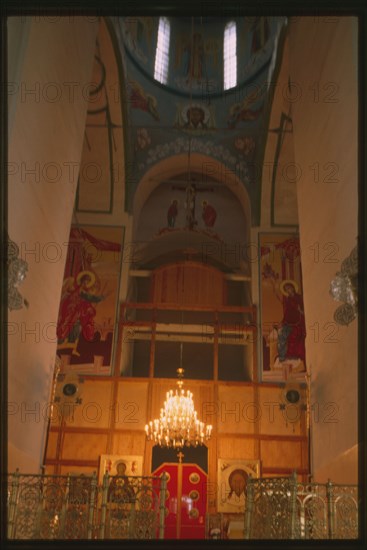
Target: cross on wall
column 190, row 203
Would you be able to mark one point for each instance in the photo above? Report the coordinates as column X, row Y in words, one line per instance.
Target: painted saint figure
column 172, row 213
column 237, row 482
column 190, row 201
column 195, row 116
column 209, row 214
column 194, row 51
column 120, row 489
column 292, row 332
column 237, row 488
column 77, row 312
column 190, row 206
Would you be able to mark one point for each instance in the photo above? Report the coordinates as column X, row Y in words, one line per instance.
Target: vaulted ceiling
column 191, row 111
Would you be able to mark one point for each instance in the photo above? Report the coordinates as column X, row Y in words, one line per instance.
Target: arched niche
column 221, row 229
column 207, row 167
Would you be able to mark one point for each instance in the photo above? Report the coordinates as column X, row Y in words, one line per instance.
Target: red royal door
column 185, row 500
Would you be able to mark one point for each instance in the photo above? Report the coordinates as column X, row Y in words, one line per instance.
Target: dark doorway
column 193, row 455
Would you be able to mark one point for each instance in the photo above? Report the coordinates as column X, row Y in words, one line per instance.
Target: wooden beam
column 223, row 328
column 187, row 307
column 228, row 276
column 140, row 272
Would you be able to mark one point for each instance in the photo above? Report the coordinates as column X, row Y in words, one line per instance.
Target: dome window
column 162, row 51
column 230, row 55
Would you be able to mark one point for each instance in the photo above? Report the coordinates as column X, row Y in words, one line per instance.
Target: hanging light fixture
column 178, row 425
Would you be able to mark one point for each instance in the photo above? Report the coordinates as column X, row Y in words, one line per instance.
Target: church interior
column 183, row 224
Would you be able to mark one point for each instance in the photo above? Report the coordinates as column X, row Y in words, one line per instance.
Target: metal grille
column 270, row 503
column 74, row 507
column 50, row 507
column 311, row 511
column 345, row 501
column 283, row 508
column 132, row 507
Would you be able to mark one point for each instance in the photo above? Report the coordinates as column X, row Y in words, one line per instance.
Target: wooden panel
column 79, row 446
column 131, row 407
column 236, row 411
column 188, row 283
column 54, row 415
column 159, row 390
column 281, row 454
column 305, row 458
column 95, row 410
column 87, row 470
column 275, row 421
column 212, row 477
column 51, row 445
column 203, row 397
column 300, row 477
column 50, row 470
column 128, row 443
column 236, row 447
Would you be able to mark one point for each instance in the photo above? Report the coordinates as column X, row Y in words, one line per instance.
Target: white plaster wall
column 323, row 68
column 47, row 131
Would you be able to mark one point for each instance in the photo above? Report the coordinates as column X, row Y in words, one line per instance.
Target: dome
column 195, row 49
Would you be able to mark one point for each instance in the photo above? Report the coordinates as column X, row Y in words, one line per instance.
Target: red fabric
column 284, row 268
column 290, row 247
column 78, row 257
column 264, row 250
column 101, row 244
column 294, row 317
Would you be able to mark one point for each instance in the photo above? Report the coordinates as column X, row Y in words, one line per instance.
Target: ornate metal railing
column 75, row 507
column 132, row 507
column 284, row 508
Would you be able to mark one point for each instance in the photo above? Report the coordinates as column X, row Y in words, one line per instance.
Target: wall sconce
column 344, row 288
column 292, row 403
column 17, row 269
column 68, row 393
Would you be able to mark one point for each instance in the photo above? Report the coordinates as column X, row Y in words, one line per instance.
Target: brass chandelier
column 178, row 425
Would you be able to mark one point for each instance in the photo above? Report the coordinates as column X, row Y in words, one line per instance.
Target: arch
column 101, row 185
column 210, row 168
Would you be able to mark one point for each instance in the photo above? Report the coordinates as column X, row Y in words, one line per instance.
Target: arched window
column 230, row 55
column 162, row 51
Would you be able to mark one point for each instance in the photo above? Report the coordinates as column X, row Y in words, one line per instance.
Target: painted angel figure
column 77, row 312
column 292, row 330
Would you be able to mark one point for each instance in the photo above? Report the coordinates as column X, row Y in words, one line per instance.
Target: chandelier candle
column 178, row 425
